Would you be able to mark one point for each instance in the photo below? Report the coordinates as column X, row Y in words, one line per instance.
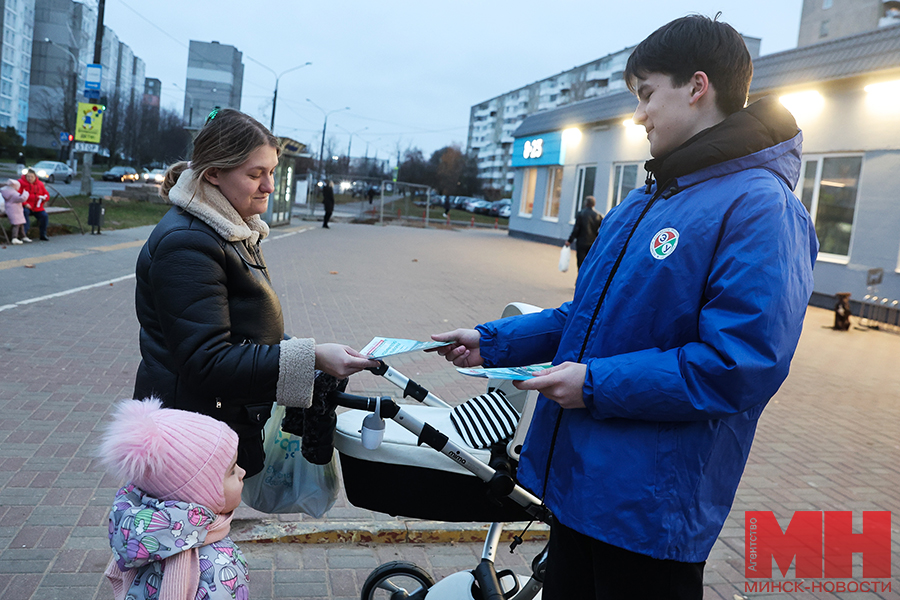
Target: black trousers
column 582, row 568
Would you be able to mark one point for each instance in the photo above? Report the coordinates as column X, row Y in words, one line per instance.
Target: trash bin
column 95, row 215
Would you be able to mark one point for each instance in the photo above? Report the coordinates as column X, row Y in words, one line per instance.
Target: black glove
column 315, row 425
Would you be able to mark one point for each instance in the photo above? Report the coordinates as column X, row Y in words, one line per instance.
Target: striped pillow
column 484, row 420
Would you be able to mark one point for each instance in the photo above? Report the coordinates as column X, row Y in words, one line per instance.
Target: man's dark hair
column 696, row 43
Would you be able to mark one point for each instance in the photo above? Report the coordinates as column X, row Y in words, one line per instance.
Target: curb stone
column 387, row 532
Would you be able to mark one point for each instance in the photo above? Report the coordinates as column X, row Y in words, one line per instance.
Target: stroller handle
column 389, row 408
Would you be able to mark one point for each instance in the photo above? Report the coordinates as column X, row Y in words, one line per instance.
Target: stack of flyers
column 511, row 373
column 381, row 347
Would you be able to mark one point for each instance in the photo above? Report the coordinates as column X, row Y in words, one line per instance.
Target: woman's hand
column 563, row 384
column 463, row 351
column 341, row 361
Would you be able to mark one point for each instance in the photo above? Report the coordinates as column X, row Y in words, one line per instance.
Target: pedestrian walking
column 585, row 230
column 169, row 525
column 328, row 201
column 682, row 328
column 212, row 334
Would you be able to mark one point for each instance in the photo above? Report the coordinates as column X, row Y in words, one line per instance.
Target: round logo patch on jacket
column 663, row 243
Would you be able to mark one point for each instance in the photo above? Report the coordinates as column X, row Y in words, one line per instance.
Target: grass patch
column 120, row 214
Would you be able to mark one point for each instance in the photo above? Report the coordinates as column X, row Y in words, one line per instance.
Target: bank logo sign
column 663, row 243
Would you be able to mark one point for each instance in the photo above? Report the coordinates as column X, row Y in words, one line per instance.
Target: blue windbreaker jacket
column 684, row 344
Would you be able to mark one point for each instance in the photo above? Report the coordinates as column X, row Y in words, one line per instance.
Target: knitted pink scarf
column 181, row 572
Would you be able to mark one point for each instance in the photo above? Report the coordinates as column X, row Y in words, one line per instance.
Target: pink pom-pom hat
column 170, row 454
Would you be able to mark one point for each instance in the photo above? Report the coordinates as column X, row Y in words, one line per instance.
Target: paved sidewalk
column 828, row 441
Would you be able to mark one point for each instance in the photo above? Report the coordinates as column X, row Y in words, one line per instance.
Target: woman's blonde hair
column 225, row 142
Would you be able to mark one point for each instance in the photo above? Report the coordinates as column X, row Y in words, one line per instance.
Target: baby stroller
column 392, row 467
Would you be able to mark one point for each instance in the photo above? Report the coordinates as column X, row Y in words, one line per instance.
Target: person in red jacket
column 36, row 203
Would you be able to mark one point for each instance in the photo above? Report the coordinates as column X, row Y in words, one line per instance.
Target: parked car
column 505, row 211
column 51, row 171
column 121, row 174
column 154, row 176
column 476, row 205
column 494, row 210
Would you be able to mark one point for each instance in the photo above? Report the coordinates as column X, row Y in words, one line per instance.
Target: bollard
column 842, row 312
column 496, row 223
column 398, row 213
column 448, row 220
column 472, row 224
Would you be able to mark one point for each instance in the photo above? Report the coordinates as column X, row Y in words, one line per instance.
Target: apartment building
column 16, row 30
column 824, row 20
column 492, row 122
column 215, row 77
column 63, row 44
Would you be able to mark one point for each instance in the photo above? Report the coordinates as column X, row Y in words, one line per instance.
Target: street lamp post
column 86, row 181
column 349, row 143
column 188, row 96
column 277, row 78
column 324, row 127
column 74, row 68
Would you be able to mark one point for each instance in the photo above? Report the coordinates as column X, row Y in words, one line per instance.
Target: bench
column 52, row 210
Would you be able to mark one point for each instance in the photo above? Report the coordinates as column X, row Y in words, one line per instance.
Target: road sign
column 92, row 77
column 85, row 147
column 89, row 122
column 92, row 94
column 63, row 136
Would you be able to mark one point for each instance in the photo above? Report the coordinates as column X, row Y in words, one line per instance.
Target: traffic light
column 71, row 137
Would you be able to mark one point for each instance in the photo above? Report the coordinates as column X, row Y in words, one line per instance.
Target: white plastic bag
column 288, row 482
column 564, row 255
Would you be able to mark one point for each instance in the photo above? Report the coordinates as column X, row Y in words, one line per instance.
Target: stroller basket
column 404, row 478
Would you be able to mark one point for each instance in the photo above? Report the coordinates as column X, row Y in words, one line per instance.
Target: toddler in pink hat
column 169, row 525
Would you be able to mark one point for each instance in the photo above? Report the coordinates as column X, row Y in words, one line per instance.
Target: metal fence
column 390, row 201
column 880, row 313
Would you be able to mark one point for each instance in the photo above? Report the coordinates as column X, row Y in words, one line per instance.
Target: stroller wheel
column 397, row 580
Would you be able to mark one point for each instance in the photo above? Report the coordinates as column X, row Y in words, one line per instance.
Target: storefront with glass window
column 850, row 118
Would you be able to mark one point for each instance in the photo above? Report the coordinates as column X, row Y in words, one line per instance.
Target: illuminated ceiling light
column 803, row 104
column 633, row 129
column 572, row 135
column 836, row 184
column 885, row 87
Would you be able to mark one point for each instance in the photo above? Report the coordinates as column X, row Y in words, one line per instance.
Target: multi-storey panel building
column 16, row 29
column 823, row 20
column 215, row 77
column 64, row 33
column 492, row 122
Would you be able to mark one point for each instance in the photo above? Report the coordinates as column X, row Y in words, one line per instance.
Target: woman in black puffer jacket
column 212, row 334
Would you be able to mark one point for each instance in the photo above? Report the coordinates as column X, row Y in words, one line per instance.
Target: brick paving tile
column 827, row 441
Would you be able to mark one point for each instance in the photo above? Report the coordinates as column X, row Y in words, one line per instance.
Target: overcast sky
column 408, row 70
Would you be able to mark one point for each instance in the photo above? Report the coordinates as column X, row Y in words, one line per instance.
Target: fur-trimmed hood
column 207, row 203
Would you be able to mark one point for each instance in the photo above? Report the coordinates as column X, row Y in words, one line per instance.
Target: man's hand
column 562, row 384
column 341, row 361
column 463, row 351
column 568, row 244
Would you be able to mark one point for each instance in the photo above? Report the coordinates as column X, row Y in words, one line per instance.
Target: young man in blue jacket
column 686, row 315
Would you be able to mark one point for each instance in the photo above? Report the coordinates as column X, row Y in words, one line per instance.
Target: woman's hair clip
column 212, row 115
